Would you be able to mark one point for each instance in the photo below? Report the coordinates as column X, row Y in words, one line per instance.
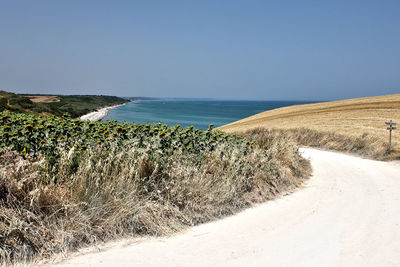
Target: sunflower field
column 42, row 136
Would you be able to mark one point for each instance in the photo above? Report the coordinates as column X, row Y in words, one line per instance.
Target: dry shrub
column 364, row 145
column 130, row 191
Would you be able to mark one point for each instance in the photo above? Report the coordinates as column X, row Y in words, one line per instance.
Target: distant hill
column 74, row 105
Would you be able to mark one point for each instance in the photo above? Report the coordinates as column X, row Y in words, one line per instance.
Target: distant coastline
column 99, row 114
column 197, row 112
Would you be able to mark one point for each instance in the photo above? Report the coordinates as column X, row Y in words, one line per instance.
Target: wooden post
column 390, row 128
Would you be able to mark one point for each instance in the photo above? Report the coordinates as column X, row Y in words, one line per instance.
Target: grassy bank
column 74, row 105
column 353, row 125
column 364, row 145
column 66, row 183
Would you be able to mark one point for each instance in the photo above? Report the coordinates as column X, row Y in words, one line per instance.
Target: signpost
column 390, row 128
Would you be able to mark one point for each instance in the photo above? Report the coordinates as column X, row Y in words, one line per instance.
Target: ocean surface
column 186, row 112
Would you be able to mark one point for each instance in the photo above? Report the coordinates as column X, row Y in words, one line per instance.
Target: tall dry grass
column 365, row 145
column 129, row 191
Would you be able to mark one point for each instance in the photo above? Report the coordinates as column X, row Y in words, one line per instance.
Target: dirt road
column 347, row 214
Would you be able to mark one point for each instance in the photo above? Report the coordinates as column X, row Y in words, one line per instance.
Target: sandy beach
column 99, row 114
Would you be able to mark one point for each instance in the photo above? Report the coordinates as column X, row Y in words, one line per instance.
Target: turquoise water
column 186, row 112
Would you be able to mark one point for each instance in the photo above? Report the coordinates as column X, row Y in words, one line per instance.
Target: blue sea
column 186, row 112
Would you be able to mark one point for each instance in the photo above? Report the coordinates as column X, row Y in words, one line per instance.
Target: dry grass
column 343, row 121
column 364, row 145
column 130, row 191
column 43, row 98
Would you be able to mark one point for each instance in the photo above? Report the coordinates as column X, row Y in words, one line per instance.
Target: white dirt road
column 347, row 214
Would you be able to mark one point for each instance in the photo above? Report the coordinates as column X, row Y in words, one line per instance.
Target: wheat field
column 351, row 118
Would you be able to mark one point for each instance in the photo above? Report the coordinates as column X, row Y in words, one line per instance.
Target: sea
column 197, row 112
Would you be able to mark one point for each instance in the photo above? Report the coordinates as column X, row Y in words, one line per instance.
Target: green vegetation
column 41, row 136
column 79, row 105
column 65, row 183
column 14, row 102
column 74, row 105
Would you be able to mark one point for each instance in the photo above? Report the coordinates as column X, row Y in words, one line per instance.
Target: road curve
column 347, row 214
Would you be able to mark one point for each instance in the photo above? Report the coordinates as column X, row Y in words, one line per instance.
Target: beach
column 99, row 114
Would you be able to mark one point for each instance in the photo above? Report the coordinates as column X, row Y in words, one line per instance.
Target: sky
column 264, row 50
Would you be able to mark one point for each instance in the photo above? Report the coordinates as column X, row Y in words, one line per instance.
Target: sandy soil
column 43, row 98
column 99, row 114
column 347, row 214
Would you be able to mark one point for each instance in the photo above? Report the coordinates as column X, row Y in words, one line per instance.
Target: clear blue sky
column 306, row 50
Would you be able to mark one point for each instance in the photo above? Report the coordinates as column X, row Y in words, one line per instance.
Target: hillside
column 74, row 105
column 352, row 118
column 66, row 183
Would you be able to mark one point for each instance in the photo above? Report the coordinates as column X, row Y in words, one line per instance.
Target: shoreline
column 99, row 114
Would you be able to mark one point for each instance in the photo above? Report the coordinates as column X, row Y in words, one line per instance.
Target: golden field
column 43, row 98
column 349, row 118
